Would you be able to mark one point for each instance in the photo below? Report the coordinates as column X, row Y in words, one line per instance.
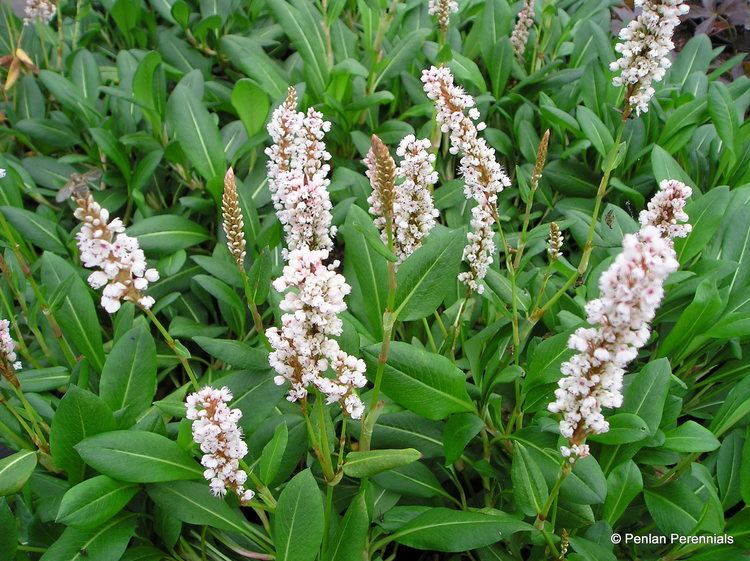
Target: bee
column 610, row 218
column 78, row 185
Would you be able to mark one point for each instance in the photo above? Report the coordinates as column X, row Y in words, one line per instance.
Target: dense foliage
column 453, row 451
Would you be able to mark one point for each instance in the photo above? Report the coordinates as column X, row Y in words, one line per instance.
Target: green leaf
column 690, row 437
column 644, row 396
column 733, row 409
column 701, row 313
column 167, row 526
column 590, row 551
column 43, row 379
column 193, row 503
column 414, row 480
column 426, row 277
column 128, row 382
column 94, row 501
column 138, row 457
column 706, row 214
column 695, row 56
column 238, row 354
column 443, row 529
column 76, row 313
column 666, row 167
column 167, row 233
column 273, row 452
column 350, row 541
column 375, row 242
column 369, row 269
column 529, row 486
column 405, row 429
column 723, row 113
column 79, row 415
column 736, row 246
column 8, row 530
column 69, row 97
column 586, row 485
column 365, row 464
column 466, row 70
column 112, row 149
column 623, row 485
column 459, row 430
column 247, row 55
column 675, row 507
column 298, row 520
column 425, row 383
column 301, row 24
column 15, row 470
column 745, row 470
column 251, row 104
column 34, row 228
column 255, row 394
column 197, row 134
column 624, row 428
column 545, row 361
column 501, row 65
column 106, row 543
column 149, row 88
column 728, row 470
column 220, row 290
column 595, row 131
column 401, row 55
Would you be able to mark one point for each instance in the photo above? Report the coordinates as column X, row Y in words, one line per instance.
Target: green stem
column 455, row 328
column 172, row 344
column 389, row 319
column 257, row 319
column 36, row 420
column 11, row 436
column 565, row 470
column 315, row 440
column 588, row 245
column 21, row 421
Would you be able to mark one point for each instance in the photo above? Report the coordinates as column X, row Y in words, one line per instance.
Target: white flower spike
column 631, row 290
column 483, row 176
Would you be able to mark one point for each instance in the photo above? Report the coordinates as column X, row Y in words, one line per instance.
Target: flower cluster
column 122, row 265
column 232, row 221
column 381, row 171
column 483, row 176
column 8, row 346
column 407, row 205
column 520, row 35
column 216, row 431
column 631, row 290
column 303, row 348
column 555, row 241
column 43, row 10
column 298, row 175
column 666, row 210
column 644, row 48
column 443, row 10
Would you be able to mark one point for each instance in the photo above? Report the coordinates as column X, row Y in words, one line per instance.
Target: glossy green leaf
column 15, row 470
column 423, row 382
column 128, row 381
column 94, row 501
column 365, row 464
column 138, row 457
column 298, row 521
